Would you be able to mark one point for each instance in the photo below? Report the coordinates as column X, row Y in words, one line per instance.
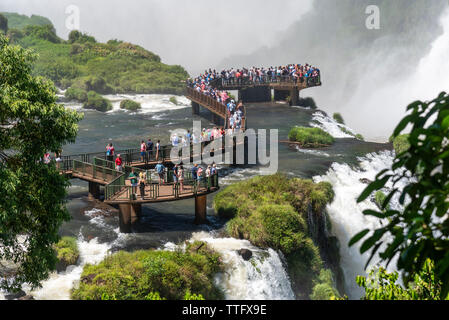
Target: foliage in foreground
column 32, row 205
column 401, row 144
column 420, row 231
column 310, row 137
column 382, row 285
column 272, row 211
column 153, row 275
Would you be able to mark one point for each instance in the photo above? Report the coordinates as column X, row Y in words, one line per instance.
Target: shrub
column 153, row 275
column 174, row 101
column 359, row 137
column 67, row 252
column 45, row 32
column 310, row 137
column 324, row 288
column 76, row 94
column 337, row 117
column 3, row 24
column 97, row 102
column 307, row 102
column 130, row 105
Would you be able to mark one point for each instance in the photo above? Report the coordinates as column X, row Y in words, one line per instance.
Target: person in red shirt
column 118, row 163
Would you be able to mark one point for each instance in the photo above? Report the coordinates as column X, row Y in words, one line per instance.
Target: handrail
column 116, row 180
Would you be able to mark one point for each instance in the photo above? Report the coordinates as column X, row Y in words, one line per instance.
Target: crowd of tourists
column 198, row 174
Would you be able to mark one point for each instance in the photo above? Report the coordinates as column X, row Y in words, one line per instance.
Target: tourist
column 208, row 173
column 119, row 163
column 110, row 152
column 58, row 159
column 199, row 174
column 175, row 173
column 174, row 140
column 181, row 177
column 194, row 172
column 47, row 158
column 133, row 177
column 143, row 151
column 142, row 181
column 158, row 149
column 160, row 169
column 150, row 149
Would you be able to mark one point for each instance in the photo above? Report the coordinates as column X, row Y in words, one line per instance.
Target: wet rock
column 27, row 297
column 15, row 295
column 245, row 253
column 365, row 180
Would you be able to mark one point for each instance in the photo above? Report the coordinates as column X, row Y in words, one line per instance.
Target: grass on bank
column 153, row 275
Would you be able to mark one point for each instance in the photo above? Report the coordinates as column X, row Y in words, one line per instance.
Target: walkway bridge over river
column 285, row 88
column 99, row 172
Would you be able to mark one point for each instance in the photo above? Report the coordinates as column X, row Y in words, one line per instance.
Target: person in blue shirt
column 150, row 149
column 160, row 169
column 194, row 171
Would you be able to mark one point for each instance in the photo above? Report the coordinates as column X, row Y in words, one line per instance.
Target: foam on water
column 59, row 285
column 151, row 103
column 330, row 126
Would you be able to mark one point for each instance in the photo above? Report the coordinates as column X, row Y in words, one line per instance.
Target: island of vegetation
column 287, row 215
column 82, row 64
column 183, row 274
column 67, row 253
column 310, row 137
column 130, row 105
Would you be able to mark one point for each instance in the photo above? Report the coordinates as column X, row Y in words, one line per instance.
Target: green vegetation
column 324, row 288
column 307, row 102
column 337, row 117
column 32, row 204
column 97, row 102
column 358, row 136
column 76, row 94
column 130, row 105
column 83, row 63
column 174, row 100
column 382, row 285
column 19, row 21
column 379, row 198
column 310, row 137
column 416, row 235
column 3, row 24
column 67, row 252
column 272, row 211
column 401, row 144
column 153, row 275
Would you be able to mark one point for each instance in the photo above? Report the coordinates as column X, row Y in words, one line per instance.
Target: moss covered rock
column 310, row 137
column 173, row 100
column 67, row 253
column 97, row 102
column 153, row 275
column 273, row 211
column 130, row 105
column 338, row 117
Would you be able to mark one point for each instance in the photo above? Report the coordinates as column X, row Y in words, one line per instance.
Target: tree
column 3, row 24
column 32, row 205
column 420, row 231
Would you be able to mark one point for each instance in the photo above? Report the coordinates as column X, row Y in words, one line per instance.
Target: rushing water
column 166, row 224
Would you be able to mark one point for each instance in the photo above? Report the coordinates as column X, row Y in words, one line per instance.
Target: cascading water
column 263, row 277
column 59, row 285
column 346, row 214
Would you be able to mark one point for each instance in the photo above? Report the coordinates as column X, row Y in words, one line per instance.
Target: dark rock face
column 27, row 297
column 366, row 181
column 245, row 253
column 17, row 295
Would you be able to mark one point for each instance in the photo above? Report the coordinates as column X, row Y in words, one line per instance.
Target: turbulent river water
column 166, row 225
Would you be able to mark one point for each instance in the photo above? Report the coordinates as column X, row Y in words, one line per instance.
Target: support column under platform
column 195, row 108
column 94, row 191
column 129, row 214
column 255, row 94
column 200, row 209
